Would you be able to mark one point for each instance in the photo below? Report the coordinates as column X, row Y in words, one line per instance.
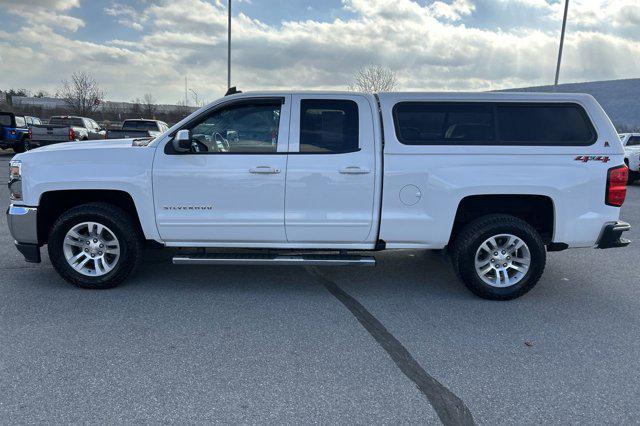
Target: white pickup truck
column 631, row 143
column 497, row 179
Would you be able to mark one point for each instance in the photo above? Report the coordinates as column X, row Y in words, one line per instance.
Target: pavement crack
column 450, row 409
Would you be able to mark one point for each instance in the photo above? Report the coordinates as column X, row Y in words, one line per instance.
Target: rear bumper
column 23, row 225
column 9, row 143
column 611, row 236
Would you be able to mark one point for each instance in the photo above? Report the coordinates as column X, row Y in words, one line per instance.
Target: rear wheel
column 499, row 257
column 95, row 246
column 20, row 147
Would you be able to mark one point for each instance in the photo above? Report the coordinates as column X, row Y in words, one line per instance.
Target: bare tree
column 374, row 79
column 82, row 93
column 149, row 106
column 136, row 110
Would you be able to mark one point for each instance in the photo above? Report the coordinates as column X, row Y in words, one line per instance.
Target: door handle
column 354, row 171
column 264, row 170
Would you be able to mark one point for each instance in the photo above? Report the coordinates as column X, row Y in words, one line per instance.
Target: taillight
column 72, row 134
column 617, row 186
column 30, row 133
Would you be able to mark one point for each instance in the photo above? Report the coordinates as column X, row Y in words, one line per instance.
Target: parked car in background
column 32, row 120
column 14, row 131
column 497, row 179
column 65, row 129
column 631, row 142
column 137, row 129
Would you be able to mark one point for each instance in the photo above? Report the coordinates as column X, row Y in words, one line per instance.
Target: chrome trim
column 23, row 224
column 284, row 260
column 621, row 227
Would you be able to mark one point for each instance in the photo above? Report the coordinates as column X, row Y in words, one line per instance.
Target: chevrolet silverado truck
column 631, row 143
column 64, row 129
column 138, row 128
column 496, row 179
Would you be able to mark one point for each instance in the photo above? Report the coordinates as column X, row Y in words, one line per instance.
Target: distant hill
column 619, row 98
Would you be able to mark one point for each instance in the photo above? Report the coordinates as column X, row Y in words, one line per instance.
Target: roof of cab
column 487, row 96
column 393, row 97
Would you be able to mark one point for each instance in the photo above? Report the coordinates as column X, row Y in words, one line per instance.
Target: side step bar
column 269, row 259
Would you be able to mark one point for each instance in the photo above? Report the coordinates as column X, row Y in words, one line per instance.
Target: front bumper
column 23, row 225
column 611, row 236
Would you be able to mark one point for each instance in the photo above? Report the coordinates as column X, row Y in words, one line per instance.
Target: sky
column 135, row 47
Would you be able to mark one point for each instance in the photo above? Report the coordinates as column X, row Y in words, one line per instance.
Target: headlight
column 15, row 180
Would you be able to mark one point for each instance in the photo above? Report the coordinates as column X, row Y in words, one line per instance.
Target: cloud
column 127, row 15
column 452, row 11
column 44, row 12
column 432, row 46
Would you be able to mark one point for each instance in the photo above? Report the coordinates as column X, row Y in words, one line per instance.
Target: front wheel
column 499, row 257
column 95, row 246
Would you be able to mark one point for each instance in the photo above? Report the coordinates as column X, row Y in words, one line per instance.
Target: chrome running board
column 269, row 259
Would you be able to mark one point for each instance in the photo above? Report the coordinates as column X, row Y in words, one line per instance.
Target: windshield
column 140, row 125
column 5, row 120
column 66, row 121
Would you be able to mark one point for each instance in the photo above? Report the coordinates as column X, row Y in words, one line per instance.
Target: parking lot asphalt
column 400, row 343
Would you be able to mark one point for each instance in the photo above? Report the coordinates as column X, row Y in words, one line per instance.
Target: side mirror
column 182, row 141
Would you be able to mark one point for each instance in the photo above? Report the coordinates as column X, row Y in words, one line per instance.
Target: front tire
column 95, row 246
column 499, row 257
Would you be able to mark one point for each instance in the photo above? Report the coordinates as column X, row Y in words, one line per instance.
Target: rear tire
column 112, row 251
column 19, row 148
column 499, row 257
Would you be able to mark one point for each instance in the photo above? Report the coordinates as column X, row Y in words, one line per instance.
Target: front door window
column 242, row 129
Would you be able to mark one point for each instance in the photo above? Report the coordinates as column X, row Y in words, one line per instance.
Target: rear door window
column 329, row 126
column 544, row 125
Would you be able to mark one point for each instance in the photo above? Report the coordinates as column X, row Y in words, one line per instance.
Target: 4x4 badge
column 587, row 158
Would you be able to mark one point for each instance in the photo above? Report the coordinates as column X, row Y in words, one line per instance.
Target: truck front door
column 331, row 173
column 229, row 190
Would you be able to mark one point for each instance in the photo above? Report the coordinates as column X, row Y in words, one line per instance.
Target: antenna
column 233, row 91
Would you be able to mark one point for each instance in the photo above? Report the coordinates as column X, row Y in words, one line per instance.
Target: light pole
column 229, row 46
column 564, row 28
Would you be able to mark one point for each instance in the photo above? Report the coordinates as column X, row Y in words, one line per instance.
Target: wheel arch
column 537, row 210
column 53, row 203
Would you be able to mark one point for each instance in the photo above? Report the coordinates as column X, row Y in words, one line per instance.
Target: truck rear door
column 331, row 172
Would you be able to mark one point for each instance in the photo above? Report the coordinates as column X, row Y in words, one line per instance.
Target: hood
column 77, row 146
column 96, row 144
